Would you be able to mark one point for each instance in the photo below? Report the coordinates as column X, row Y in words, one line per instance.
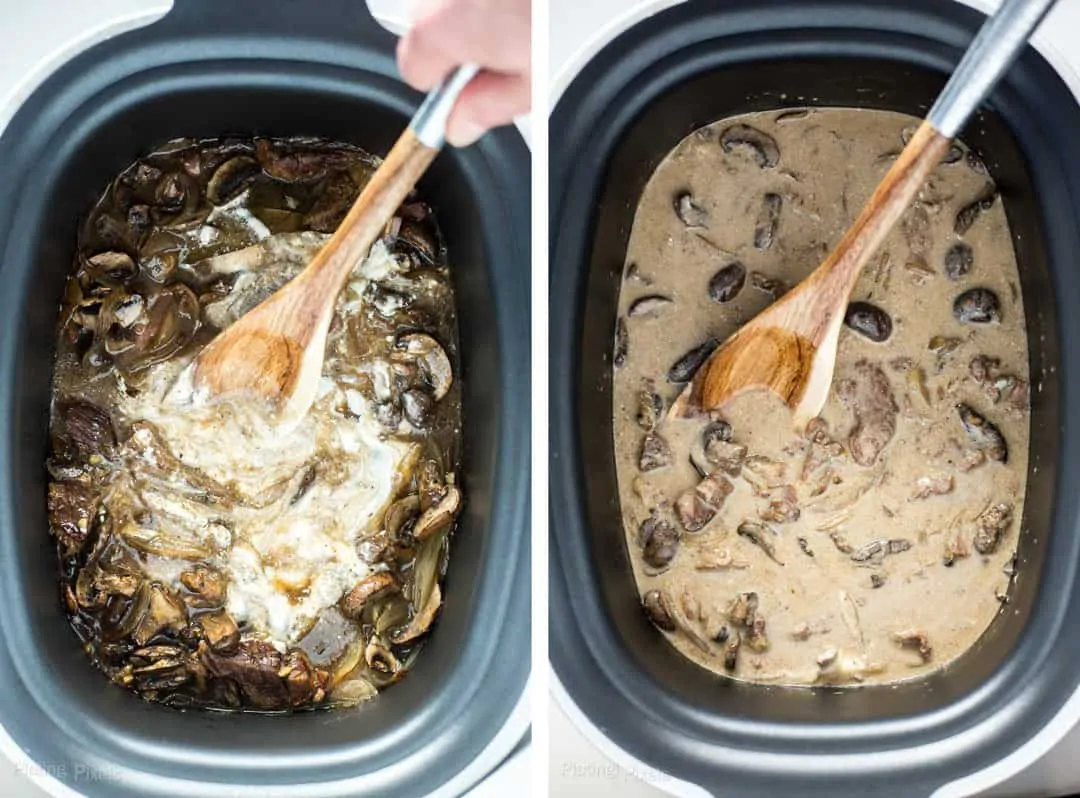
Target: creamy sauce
column 879, row 546
column 286, row 559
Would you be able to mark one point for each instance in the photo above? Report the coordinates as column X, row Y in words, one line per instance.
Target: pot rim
column 1067, row 717
column 514, row 729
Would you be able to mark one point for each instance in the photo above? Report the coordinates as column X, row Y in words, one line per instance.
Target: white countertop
column 577, row 768
column 35, row 33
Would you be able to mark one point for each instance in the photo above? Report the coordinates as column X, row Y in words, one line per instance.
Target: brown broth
column 209, row 558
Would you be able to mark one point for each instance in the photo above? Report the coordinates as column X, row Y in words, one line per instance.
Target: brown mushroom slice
column 438, row 518
column 71, row 506
column 369, row 589
column 389, row 614
column 993, row 523
column 110, row 267
column 380, row 658
column 421, row 239
column 174, row 544
column 231, row 178
column 171, row 318
column 206, row 585
column 401, row 514
column 166, row 673
column 177, row 199
column 689, row 212
column 430, row 483
column 81, row 430
column 697, row 506
column 916, row 639
column 291, row 161
column 164, row 612
column 220, row 630
column 762, row 147
column 656, row 605
column 432, row 359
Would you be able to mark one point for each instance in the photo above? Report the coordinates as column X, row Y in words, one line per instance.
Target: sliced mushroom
column 432, row 359
column 760, row 145
column 983, row 434
column 659, row 540
column 655, row 452
column 767, row 221
column 380, row 658
column 977, row 306
column 656, row 604
column 431, row 485
column 699, row 505
column 417, row 406
column 164, row 326
column 401, row 514
column 689, row 212
column 206, row 584
column 231, row 178
column 684, row 368
column 424, row 594
column 420, row 239
column 81, row 430
column 731, row 651
column 220, row 630
column 967, row 215
column 333, row 202
column 870, row 321
column 760, row 535
column 648, row 306
column 726, row 284
column 767, row 285
column 163, row 612
column 176, row 199
column 622, row 344
column 71, row 506
column 932, row 485
column 959, row 261
column 993, row 523
column 110, row 267
column 438, row 518
column 370, row 589
column 875, row 550
column 650, row 408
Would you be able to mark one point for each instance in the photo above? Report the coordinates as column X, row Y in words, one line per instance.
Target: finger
column 493, row 34
column 488, row 101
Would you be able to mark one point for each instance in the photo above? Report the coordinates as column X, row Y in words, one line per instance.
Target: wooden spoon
column 790, row 348
column 276, row 350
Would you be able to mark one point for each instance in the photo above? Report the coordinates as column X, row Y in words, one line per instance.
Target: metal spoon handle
column 429, row 122
column 992, row 52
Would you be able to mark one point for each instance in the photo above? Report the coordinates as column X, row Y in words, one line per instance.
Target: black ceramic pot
column 629, row 105
column 274, row 67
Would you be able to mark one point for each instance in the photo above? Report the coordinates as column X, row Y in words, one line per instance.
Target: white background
column 578, row 770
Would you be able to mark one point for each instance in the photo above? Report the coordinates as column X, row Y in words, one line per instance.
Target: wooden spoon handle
column 363, row 225
column 836, row 277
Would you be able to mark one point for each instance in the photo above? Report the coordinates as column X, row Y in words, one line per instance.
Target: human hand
column 497, row 35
